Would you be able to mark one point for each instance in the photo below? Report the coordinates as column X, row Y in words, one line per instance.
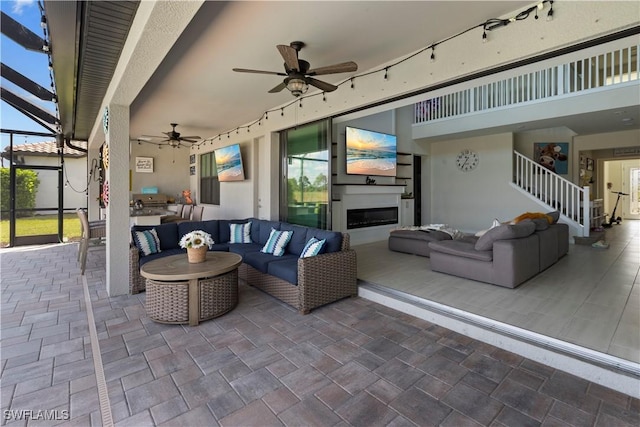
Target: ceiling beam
column 21, row 34
column 25, row 83
column 26, row 107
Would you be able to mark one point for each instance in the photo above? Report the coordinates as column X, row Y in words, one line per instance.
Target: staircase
column 552, row 191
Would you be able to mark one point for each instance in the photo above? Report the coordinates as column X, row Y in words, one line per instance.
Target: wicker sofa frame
column 322, row 279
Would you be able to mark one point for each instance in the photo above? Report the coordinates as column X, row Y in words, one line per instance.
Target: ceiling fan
column 172, row 138
column 298, row 75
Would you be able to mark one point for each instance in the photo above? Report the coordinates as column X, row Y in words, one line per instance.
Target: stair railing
column 553, row 190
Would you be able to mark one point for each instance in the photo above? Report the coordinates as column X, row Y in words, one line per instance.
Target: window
column 209, row 184
column 306, row 178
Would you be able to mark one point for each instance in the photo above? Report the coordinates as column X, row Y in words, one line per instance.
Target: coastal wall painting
column 370, row 153
column 229, row 163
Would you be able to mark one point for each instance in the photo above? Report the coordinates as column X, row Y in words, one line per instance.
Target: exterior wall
column 170, row 170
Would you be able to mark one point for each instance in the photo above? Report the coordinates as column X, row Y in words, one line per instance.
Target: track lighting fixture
column 484, row 34
column 550, row 13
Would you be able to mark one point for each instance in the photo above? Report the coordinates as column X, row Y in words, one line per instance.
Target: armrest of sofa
column 515, row 260
column 137, row 283
column 326, row 278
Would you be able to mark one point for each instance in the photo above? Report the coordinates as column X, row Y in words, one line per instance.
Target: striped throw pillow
column 312, row 248
column 240, row 233
column 277, row 241
column 147, row 241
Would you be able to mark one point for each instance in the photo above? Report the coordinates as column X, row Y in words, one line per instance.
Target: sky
column 33, row 65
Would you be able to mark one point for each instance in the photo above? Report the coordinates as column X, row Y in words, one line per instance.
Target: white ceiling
column 196, row 87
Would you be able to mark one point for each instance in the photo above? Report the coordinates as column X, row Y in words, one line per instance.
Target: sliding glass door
column 306, row 175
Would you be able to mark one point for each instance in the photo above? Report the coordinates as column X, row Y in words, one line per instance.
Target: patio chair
column 175, row 217
column 92, row 232
column 196, row 214
column 186, row 212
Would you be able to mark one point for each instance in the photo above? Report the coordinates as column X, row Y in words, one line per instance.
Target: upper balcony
column 558, row 90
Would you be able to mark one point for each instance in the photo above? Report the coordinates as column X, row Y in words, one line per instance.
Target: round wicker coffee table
column 181, row 292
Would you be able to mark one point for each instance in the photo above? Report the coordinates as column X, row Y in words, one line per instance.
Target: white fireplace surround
column 352, row 196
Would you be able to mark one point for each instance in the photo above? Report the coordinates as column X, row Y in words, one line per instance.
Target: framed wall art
column 144, row 164
column 589, row 164
column 553, row 156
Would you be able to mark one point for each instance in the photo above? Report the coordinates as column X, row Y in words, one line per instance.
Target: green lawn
column 42, row 224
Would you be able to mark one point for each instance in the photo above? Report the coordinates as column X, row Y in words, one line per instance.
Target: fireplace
column 371, row 217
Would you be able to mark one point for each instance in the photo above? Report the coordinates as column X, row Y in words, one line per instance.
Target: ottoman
column 415, row 241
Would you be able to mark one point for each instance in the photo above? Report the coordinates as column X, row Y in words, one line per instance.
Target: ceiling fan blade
column 327, row 87
column 290, row 56
column 150, row 137
column 246, row 70
column 278, row 88
column 190, row 138
column 345, row 67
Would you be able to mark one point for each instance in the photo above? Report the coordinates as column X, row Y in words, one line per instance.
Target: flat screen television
column 229, row 163
column 370, row 153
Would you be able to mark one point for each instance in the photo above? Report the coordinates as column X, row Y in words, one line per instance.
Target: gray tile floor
column 353, row 362
column 591, row 297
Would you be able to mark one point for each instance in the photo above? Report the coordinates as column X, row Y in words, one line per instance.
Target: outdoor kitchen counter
column 147, row 216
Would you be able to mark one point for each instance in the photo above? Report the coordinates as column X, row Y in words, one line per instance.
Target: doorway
column 33, row 197
column 306, row 173
column 622, row 176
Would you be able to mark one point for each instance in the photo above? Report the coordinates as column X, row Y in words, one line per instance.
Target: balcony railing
column 589, row 73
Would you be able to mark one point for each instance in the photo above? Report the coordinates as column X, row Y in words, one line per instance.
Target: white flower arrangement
column 196, row 239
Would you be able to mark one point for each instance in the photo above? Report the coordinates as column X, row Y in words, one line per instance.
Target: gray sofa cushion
column 504, row 232
column 555, row 216
column 427, row 235
column 461, row 249
column 541, row 223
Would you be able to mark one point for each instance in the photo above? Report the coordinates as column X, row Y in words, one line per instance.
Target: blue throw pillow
column 312, row 248
column 277, row 242
column 147, row 241
column 240, row 233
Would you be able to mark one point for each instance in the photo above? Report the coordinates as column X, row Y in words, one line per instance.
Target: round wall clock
column 467, row 160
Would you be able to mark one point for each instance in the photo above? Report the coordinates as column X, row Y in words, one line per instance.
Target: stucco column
column 117, row 175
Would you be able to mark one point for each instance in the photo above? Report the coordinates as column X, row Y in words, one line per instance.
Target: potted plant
column 197, row 243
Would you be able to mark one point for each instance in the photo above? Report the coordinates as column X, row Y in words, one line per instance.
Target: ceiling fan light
column 297, row 86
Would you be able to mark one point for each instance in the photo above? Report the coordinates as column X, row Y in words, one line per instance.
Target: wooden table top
column 178, row 267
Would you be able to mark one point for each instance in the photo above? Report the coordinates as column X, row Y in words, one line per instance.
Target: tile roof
column 47, row 148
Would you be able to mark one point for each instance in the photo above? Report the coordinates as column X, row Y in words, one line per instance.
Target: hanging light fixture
column 297, row 86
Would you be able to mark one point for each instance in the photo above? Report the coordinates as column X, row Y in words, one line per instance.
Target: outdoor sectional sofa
column 304, row 283
column 506, row 255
